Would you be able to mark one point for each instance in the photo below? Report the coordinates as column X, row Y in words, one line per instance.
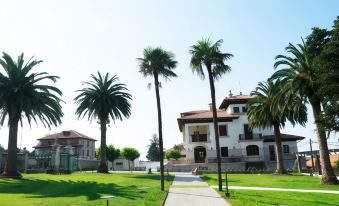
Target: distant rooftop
column 68, row 134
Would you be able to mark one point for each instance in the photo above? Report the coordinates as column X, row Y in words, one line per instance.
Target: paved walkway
column 280, row 189
column 189, row 190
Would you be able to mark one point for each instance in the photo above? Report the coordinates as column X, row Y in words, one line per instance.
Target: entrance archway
column 199, row 154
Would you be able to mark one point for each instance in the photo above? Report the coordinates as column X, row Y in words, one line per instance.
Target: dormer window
column 236, row 110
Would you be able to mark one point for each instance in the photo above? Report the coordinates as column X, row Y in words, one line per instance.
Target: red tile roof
column 69, row 134
column 180, row 147
column 284, row 137
column 236, row 99
column 204, row 116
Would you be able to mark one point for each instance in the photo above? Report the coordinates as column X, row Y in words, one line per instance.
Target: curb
column 163, row 202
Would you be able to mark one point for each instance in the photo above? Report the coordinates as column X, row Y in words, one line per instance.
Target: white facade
column 239, row 145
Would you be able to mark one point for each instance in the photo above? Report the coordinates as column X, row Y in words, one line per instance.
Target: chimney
column 230, row 95
column 240, row 93
column 210, row 106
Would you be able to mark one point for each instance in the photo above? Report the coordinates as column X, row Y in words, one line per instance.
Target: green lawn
column 82, row 189
column 295, row 181
column 274, row 198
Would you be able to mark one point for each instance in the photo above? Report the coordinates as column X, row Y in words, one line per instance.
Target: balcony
column 199, row 138
column 249, row 137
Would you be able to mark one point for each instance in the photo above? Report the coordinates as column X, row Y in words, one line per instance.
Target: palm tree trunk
column 280, row 161
column 328, row 176
column 10, row 170
column 215, row 123
column 103, row 159
column 161, row 146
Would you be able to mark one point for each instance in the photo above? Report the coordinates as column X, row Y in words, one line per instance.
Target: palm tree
column 208, row 54
column 271, row 107
column 157, row 62
column 103, row 99
column 300, row 73
column 23, row 95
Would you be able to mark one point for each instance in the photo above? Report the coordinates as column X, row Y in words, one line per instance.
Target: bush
column 336, row 167
column 175, row 154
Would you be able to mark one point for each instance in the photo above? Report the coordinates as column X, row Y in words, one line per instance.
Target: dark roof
column 237, row 99
column 284, row 137
column 69, row 134
column 204, row 116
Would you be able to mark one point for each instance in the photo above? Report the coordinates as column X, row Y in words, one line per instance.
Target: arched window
column 252, row 150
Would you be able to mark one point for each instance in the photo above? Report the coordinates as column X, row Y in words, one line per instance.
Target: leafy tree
column 208, row 54
column 24, row 94
column 130, row 154
column 157, row 62
column 153, row 153
column 112, row 154
column 271, row 107
column 324, row 45
column 300, row 73
column 175, row 154
column 104, row 99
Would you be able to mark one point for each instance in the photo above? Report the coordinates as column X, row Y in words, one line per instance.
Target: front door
column 200, row 154
column 272, row 152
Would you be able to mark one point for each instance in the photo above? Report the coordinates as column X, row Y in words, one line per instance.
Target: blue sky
column 77, row 38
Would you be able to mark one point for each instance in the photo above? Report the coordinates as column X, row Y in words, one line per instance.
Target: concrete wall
column 122, row 164
column 86, row 164
column 207, row 166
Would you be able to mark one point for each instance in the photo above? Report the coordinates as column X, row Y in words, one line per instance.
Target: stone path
column 280, row 189
column 189, row 190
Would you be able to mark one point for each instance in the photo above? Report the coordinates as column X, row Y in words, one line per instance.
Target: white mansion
column 240, row 147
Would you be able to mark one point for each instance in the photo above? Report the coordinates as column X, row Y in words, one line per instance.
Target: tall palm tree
column 103, row 99
column 208, row 54
column 271, row 107
column 300, row 73
column 23, row 95
column 158, row 62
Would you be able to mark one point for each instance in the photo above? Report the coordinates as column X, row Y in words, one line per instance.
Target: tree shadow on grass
column 153, row 177
column 207, row 178
column 61, row 188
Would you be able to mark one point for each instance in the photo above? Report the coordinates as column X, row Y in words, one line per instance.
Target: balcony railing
column 199, row 138
column 253, row 136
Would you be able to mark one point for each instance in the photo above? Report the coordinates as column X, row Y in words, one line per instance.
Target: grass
column 265, row 198
column 83, row 189
column 293, row 181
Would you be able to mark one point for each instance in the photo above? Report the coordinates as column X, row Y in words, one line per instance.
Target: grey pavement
column 280, row 189
column 191, row 190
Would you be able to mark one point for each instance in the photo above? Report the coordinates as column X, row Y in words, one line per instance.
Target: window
column 252, row 150
column 286, row 149
column 87, row 153
column 87, row 143
column 236, row 110
column 244, row 109
column 197, row 137
column 118, row 163
column 82, row 153
column 224, row 151
column 223, row 130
